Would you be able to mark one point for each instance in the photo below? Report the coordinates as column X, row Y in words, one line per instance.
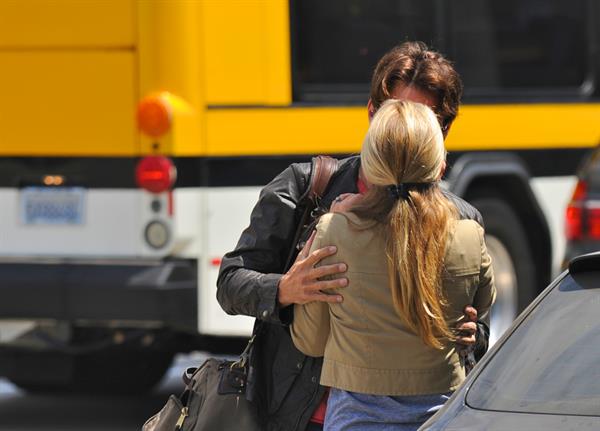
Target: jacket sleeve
column 249, row 275
column 468, row 211
column 483, row 300
column 310, row 328
column 486, row 291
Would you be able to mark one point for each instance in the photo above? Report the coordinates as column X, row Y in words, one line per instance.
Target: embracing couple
column 369, row 328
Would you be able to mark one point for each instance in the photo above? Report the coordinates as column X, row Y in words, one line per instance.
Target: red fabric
column 362, row 188
column 318, row 416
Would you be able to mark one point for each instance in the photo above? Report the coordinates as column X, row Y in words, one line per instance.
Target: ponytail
column 415, row 250
column 402, row 157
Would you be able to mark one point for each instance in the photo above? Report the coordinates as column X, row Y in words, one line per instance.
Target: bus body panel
column 111, row 227
column 67, row 24
column 68, row 103
column 207, row 224
column 228, row 214
column 255, row 34
column 555, row 192
column 331, row 130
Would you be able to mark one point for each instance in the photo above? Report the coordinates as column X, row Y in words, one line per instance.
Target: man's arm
column 250, row 278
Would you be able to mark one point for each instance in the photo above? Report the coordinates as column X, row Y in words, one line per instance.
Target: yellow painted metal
column 247, row 49
column 26, row 24
column 285, row 131
column 63, row 93
column 67, row 103
column 528, row 126
column 341, row 130
column 170, row 59
column 184, row 130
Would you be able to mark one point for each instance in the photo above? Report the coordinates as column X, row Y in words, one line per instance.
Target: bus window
column 337, row 42
column 502, row 49
column 529, row 46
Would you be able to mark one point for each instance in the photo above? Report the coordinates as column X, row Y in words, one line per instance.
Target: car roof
column 585, row 263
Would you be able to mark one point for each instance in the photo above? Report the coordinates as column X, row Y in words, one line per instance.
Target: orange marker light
column 53, row 180
column 154, row 115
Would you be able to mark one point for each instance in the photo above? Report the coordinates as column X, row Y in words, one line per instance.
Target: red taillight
column 575, row 213
column 574, row 225
column 156, row 174
column 593, row 223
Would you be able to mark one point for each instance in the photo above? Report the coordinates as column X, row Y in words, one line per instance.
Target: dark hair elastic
column 400, row 191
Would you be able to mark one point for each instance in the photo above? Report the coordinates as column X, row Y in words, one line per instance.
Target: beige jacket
column 365, row 345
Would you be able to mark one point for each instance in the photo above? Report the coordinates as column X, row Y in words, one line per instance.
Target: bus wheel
column 514, row 270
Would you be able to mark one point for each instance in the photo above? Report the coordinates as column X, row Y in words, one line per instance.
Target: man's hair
column 414, row 64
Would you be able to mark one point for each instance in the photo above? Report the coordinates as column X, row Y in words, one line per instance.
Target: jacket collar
column 343, row 181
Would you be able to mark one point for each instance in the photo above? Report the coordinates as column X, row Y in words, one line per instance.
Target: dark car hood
column 470, row 419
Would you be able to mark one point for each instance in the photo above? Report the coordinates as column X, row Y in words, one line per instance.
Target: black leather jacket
column 287, row 389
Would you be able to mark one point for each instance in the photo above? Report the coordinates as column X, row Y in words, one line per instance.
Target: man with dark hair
column 252, row 279
column 413, row 65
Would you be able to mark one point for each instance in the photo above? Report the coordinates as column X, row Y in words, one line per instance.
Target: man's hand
column 467, row 329
column 301, row 285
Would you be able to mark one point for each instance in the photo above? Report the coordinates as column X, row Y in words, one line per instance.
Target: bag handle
column 323, row 169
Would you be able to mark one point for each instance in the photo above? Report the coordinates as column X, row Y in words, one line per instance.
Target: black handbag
column 214, row 399
column 215, row 394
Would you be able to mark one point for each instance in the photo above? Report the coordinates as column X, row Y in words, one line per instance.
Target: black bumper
column 159, row 292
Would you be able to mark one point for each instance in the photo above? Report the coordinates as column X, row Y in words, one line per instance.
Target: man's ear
column 370, row 109
column 446, row 130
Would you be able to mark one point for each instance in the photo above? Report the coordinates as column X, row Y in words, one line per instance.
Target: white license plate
column 52, row 206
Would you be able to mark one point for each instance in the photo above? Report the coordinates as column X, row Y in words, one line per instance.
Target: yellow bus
column 136, row 134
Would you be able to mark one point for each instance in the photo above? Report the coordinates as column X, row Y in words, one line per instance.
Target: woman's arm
column 310, row 328
column 486, row 291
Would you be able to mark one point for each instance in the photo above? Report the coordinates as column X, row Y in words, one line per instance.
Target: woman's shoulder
column 341, row 224
column 341, row 220
column 467, row 229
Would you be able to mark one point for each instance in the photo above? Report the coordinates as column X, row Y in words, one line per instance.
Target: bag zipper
column 182, row 416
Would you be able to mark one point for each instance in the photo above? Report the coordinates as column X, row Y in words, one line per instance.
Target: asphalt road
column 20, row 411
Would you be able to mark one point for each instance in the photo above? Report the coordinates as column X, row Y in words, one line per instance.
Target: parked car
column 583, row 212
column 544, row 373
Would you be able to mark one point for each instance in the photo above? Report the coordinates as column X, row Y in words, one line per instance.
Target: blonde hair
column 404, row 147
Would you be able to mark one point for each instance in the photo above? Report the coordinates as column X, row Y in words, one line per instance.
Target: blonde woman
column 389, row 353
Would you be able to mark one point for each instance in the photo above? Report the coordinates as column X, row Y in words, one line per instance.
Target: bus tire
column 512, row 260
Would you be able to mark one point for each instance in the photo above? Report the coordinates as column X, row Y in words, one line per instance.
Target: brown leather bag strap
column 324, row 167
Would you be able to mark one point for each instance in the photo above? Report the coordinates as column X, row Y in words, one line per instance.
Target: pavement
column 20, row 411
